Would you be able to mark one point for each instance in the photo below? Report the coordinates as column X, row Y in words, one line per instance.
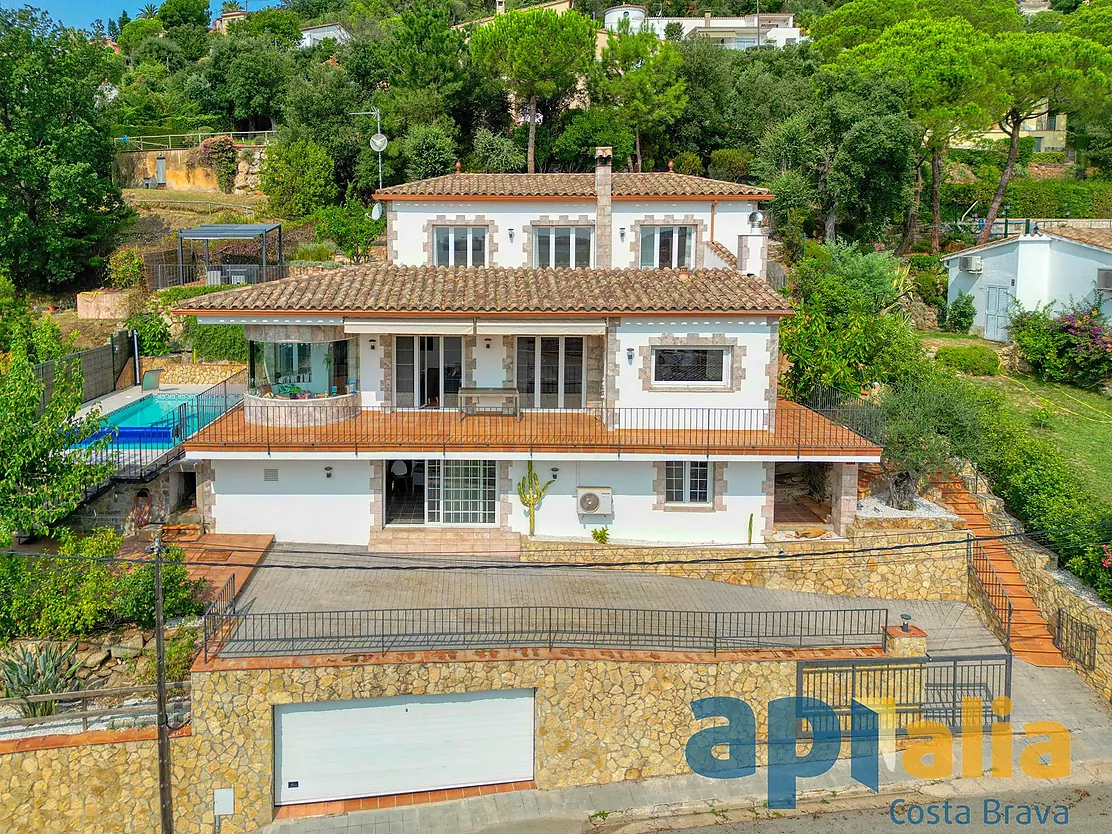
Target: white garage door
column 380, row 746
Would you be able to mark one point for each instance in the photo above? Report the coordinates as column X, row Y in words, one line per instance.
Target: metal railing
column 219, row 618
column 415, row 629
column 163, row 276
column 984, row 579
column 140, row 454
column 930, row 688
column 864, row 417
column 175, row 141
column 80, row 699
column 787, row 430
column 1075, row 639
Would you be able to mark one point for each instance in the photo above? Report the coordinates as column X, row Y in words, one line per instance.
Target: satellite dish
column 378, row 143
column 376, row 212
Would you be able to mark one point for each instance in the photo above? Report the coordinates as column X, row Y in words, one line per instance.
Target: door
column 550, row 371
column 998, row 306
column 380, row 746
column 428, row 371
column 160, row 171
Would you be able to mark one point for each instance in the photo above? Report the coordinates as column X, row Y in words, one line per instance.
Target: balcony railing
column 790, row 430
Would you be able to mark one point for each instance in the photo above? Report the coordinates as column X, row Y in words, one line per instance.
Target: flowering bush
column 1075, row 347
column 219, row 154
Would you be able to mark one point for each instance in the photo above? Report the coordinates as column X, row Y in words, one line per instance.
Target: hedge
column 976, row 360
column 216, row 341
column 1036, row 198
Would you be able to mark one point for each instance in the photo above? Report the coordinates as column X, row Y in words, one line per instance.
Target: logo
column 728, row 750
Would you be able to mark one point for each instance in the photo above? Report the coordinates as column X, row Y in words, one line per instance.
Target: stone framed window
column 681, row 366
column 563, row 247
column 688, row 482
column 460, row 245
column 667, row 247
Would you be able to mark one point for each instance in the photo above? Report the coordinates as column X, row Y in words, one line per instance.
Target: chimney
column 706, row 19
column 603, row 225
column 500, row 6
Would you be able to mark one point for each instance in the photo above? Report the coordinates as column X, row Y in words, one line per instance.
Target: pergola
column 229, row 231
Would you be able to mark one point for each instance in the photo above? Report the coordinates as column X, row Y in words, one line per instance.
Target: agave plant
column 43, row 671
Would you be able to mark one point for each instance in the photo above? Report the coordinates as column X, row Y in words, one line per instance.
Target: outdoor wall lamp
column 629, row 355
column 622, row 234
column 511, row 235
column 373, row 343
column 555, row 472
column 328, row 471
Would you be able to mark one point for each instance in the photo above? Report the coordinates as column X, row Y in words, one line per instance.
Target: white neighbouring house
column 739, row 32
column 595, row 325
column 1059, row 266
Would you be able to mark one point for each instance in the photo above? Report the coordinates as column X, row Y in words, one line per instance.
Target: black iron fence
column 863, row 416
column 162, row 276
column 1075, row 639
column 983, row 579
column 219, row 619
column 231, row 633
column 790, row 429
column 932, row 688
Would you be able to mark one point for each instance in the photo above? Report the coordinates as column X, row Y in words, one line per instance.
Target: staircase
column 1030, row 636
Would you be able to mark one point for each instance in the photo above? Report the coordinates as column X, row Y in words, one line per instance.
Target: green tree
column 60, row 212
column 191, row 39
column 946, row 67
column 134, row 33
column 184, row 13
column 148, row 12
column 1036, row 73
column 50, row 455
column 351, row 228
column 422, row 63
column 639, row 76
column 496, row 153
column 282, row 25
column 590, row 129
column 539, row 53
column 249, row 77
column 428, row 152
column 297, row 178
column 1092, row 21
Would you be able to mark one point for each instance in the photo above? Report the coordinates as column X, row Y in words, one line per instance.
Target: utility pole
column 758, row 24
column 165, row 798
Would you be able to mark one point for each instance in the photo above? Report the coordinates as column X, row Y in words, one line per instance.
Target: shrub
column 977, row 360
column 351, row 228
column 134, row 599
column 219, row 154
column 429, row 152
column 590, row 129
column 497, row 154
column 313, row 252
column 154, row 332
column 125, row 268
column 688, row 163
column 181, row 649
column 729, row 164
column 169, row 298
column 1051, row 157
column 1074, row 348
column 216, row 341
column 960, row 313
column 44, row 671
column 297, row 178
column 601, row 534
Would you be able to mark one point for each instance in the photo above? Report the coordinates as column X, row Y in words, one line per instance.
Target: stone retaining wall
column 202, row 373
column 890, row 563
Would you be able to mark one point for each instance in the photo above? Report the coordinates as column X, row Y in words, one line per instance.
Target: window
column 694, row 365
column 550, row 371
column 664, row 247
column 462, row 492
column 460, row 245
column 562, row 247
column 687, row 482
column 293, row 362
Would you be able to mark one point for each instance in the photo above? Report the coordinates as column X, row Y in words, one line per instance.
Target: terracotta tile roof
column 722, row 252
column 581, row 186
column 384, row 289
column 1093, row 237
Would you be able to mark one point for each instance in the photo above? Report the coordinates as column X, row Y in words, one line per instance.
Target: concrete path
column 118, row 399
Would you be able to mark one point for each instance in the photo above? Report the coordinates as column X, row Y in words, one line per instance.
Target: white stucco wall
column 488, row 362
column 370, row 371
column 302, row 506
column 634, row 518
column 752, row 335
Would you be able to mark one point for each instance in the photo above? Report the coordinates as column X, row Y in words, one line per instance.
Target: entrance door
column 160, row 171
column 998, row 311
column 550, row 371
column 428, row 371
column 379, row 746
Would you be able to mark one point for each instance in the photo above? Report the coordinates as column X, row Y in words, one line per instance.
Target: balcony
column 788, row 431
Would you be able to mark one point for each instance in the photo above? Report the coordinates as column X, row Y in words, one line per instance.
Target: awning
column 478, row 327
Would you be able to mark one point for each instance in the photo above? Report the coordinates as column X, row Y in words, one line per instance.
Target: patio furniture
column 152, row 379
column 509, row 398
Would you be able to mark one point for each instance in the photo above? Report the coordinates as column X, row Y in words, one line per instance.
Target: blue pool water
column 156, row 421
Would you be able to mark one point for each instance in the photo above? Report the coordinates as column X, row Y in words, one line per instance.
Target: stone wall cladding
column 391, row 232
column 509, row 355
column 386, row 363
column 545, row 220
column 697, row 246
column 505, row 487
column 736, row 352
column 843, row 496
column 768, row 507
column 772, row 368
column 613, row 361
column 208, row 373
column 428, row 231
column 377, row 485
column 862, row 565
column 126, row 507
column 595, row 349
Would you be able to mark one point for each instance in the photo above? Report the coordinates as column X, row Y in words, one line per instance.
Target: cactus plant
column 45, row 671
column 530, row 491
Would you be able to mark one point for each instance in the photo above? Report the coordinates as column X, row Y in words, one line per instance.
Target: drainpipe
column 713, row 206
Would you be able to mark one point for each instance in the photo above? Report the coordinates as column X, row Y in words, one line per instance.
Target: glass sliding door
column 461, row 492
column 550, row 371
column 428, row 371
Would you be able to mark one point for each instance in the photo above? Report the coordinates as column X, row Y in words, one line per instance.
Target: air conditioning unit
column 970, row 263
column 595, row 500
column 1104, row 280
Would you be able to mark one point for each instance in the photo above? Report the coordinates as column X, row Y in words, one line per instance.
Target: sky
column 81, row 13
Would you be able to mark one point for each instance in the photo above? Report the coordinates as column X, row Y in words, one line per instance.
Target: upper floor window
column 690, row 365
column 460, row 245
column 664, row 247
column 562, row 247
column 687, row 482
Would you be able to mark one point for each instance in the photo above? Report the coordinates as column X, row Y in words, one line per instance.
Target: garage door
column 380, row 746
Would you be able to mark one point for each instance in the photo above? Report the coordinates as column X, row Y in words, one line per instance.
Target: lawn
column 1077, row 422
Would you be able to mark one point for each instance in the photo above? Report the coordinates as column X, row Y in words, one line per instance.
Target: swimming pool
column 158, row 420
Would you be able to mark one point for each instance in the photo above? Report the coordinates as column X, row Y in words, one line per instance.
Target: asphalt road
column 1089, row 811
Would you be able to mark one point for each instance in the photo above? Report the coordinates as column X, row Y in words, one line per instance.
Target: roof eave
column 471, row 314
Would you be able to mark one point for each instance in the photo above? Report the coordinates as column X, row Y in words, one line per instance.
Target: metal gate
column 923, row 688
column 998, row 313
